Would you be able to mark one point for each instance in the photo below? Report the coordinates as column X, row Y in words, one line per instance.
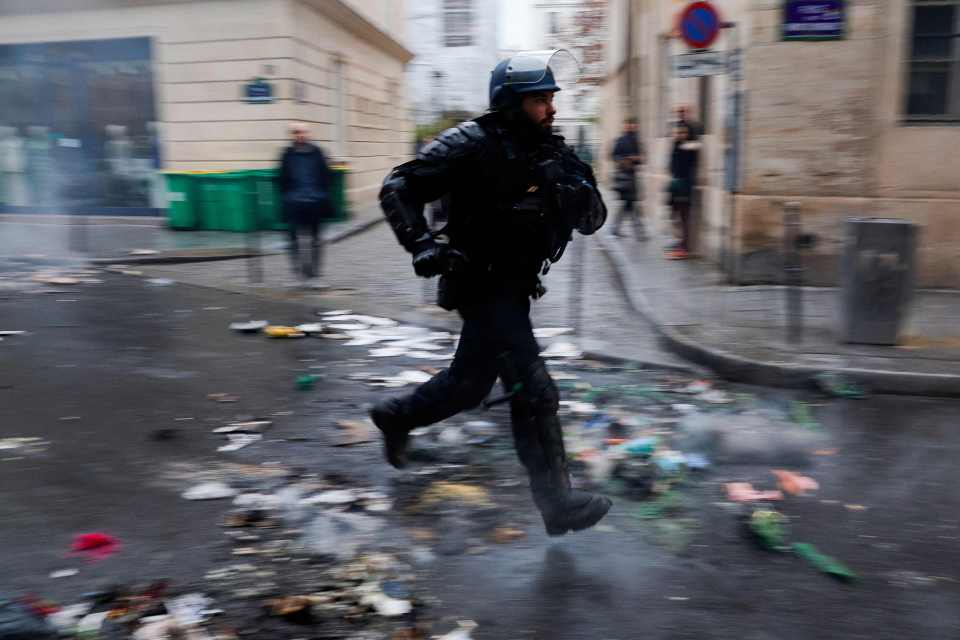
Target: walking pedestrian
column 683, row 171
column 628, row 154
column 517, row 192
column 304, row 184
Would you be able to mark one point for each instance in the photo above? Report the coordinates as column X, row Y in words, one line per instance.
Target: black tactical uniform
column 516, row 193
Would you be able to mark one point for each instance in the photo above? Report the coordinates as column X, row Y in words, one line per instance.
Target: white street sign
column 701, row 63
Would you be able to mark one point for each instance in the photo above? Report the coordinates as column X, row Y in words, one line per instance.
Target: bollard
column 793, row 272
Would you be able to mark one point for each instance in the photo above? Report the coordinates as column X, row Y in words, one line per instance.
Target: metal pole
column 577, row 268
column 793, row 271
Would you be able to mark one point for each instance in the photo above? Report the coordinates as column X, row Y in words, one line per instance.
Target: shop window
column 933, row 88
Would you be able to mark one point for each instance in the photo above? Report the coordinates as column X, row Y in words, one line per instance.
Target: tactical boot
column 387, row 417
column 539, row 441
column 565, row 509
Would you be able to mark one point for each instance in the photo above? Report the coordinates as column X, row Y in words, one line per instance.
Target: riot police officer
column 516, row 192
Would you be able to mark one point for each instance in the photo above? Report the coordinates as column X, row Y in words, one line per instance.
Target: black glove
column 428, row 259
column 573, row 196
column 432, row 259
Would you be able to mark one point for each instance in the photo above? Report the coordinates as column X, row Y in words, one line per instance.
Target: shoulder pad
column 454, row 143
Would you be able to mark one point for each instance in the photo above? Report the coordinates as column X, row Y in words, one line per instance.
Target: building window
column 934, row 71
column 457, row 23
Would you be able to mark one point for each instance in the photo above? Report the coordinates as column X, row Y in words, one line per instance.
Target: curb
column 740, row 369
column 231, row 253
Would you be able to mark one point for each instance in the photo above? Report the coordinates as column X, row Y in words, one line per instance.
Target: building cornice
column 344, row 15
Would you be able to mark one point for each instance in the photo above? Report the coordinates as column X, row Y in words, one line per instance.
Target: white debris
column 64, row 573
column 562, row 350
column 254, row 426
column 209, row 491
column 551, row 332
column 251, row 326
column 310, row 327
column 239, row 441
column 464, row 631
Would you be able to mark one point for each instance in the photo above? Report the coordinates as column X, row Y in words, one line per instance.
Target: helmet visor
column 530, row 67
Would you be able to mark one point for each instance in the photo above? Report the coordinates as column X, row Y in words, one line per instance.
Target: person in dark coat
column 628, row 154
column 304, row 182
column 683, row 172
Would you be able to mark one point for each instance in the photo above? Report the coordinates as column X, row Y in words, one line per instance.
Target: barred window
column 458, row 20
column 934, row 66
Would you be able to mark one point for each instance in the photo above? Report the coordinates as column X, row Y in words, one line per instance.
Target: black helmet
column 527, row 72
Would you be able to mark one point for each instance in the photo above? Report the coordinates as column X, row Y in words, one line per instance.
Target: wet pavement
column 114, row 378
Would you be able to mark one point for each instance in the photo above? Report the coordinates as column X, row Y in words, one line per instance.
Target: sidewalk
column 111, row 240
column 740, row 332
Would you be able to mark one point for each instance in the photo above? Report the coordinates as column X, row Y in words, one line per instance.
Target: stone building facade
column 223, row 80
column 861, row 126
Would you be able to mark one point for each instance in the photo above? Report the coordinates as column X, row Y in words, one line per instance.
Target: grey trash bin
column 876, row 278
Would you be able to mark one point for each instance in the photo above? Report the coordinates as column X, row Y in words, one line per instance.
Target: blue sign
column 813, row 20
column 259, row 91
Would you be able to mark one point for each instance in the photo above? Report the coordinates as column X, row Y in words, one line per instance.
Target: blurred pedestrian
column 304, row 182
column 683, row 171
column 685, row 117
column 628, row 154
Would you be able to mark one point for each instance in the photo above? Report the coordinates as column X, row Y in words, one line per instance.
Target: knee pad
column 540, row 390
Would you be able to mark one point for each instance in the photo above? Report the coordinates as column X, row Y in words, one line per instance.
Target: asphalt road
column 107, row 365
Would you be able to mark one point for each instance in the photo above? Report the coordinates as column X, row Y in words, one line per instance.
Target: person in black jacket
column 683, row 173
column 304, row 184
column 628, row 155
column 517, row 193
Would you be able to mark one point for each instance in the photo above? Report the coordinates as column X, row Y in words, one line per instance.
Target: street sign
column 699, row 25
column 813, row 19
column 258, row 91
column 700, row 63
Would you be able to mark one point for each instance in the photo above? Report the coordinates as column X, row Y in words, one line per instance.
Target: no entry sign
column 699, row 25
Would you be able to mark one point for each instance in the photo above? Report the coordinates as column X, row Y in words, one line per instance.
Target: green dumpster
column 338, row 193
column 225, row 202
column 266, row 199
column 181, row 201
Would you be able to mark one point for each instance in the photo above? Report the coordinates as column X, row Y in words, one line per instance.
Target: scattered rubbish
column 464, row 631
column 189, row 610
column 94, row 546
column 209, row 491
column 546, row 333
column 143, row 252
column 716, row 397
column 562, row 350
column 770, row 528
column 823, row 563
column 744, row 492
column 250, row 326
column 18, row 622
column 279, row 331
column 238, row 441
column 27, row 445
column 339, row 535
column 669, row 463
column 801, row 414
column 296, row 609
column 794, row 483
column 64, row 573
column 160, row 282
column 855, row 507
column 697, row 387
column 837, row 386
column 309, row 328
column 643, row 446
column 677, row 598
column 337, row 312
column 333, row 497
column 825, row 452
column 382, row 603
column 387, row 352
column 506, row 535
column 165, row 435
column 443, row 491
column 223, row 397
column 697, row 462
column 252, row 426
column 306, row 382
column 353, row 432
column 12, row 333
